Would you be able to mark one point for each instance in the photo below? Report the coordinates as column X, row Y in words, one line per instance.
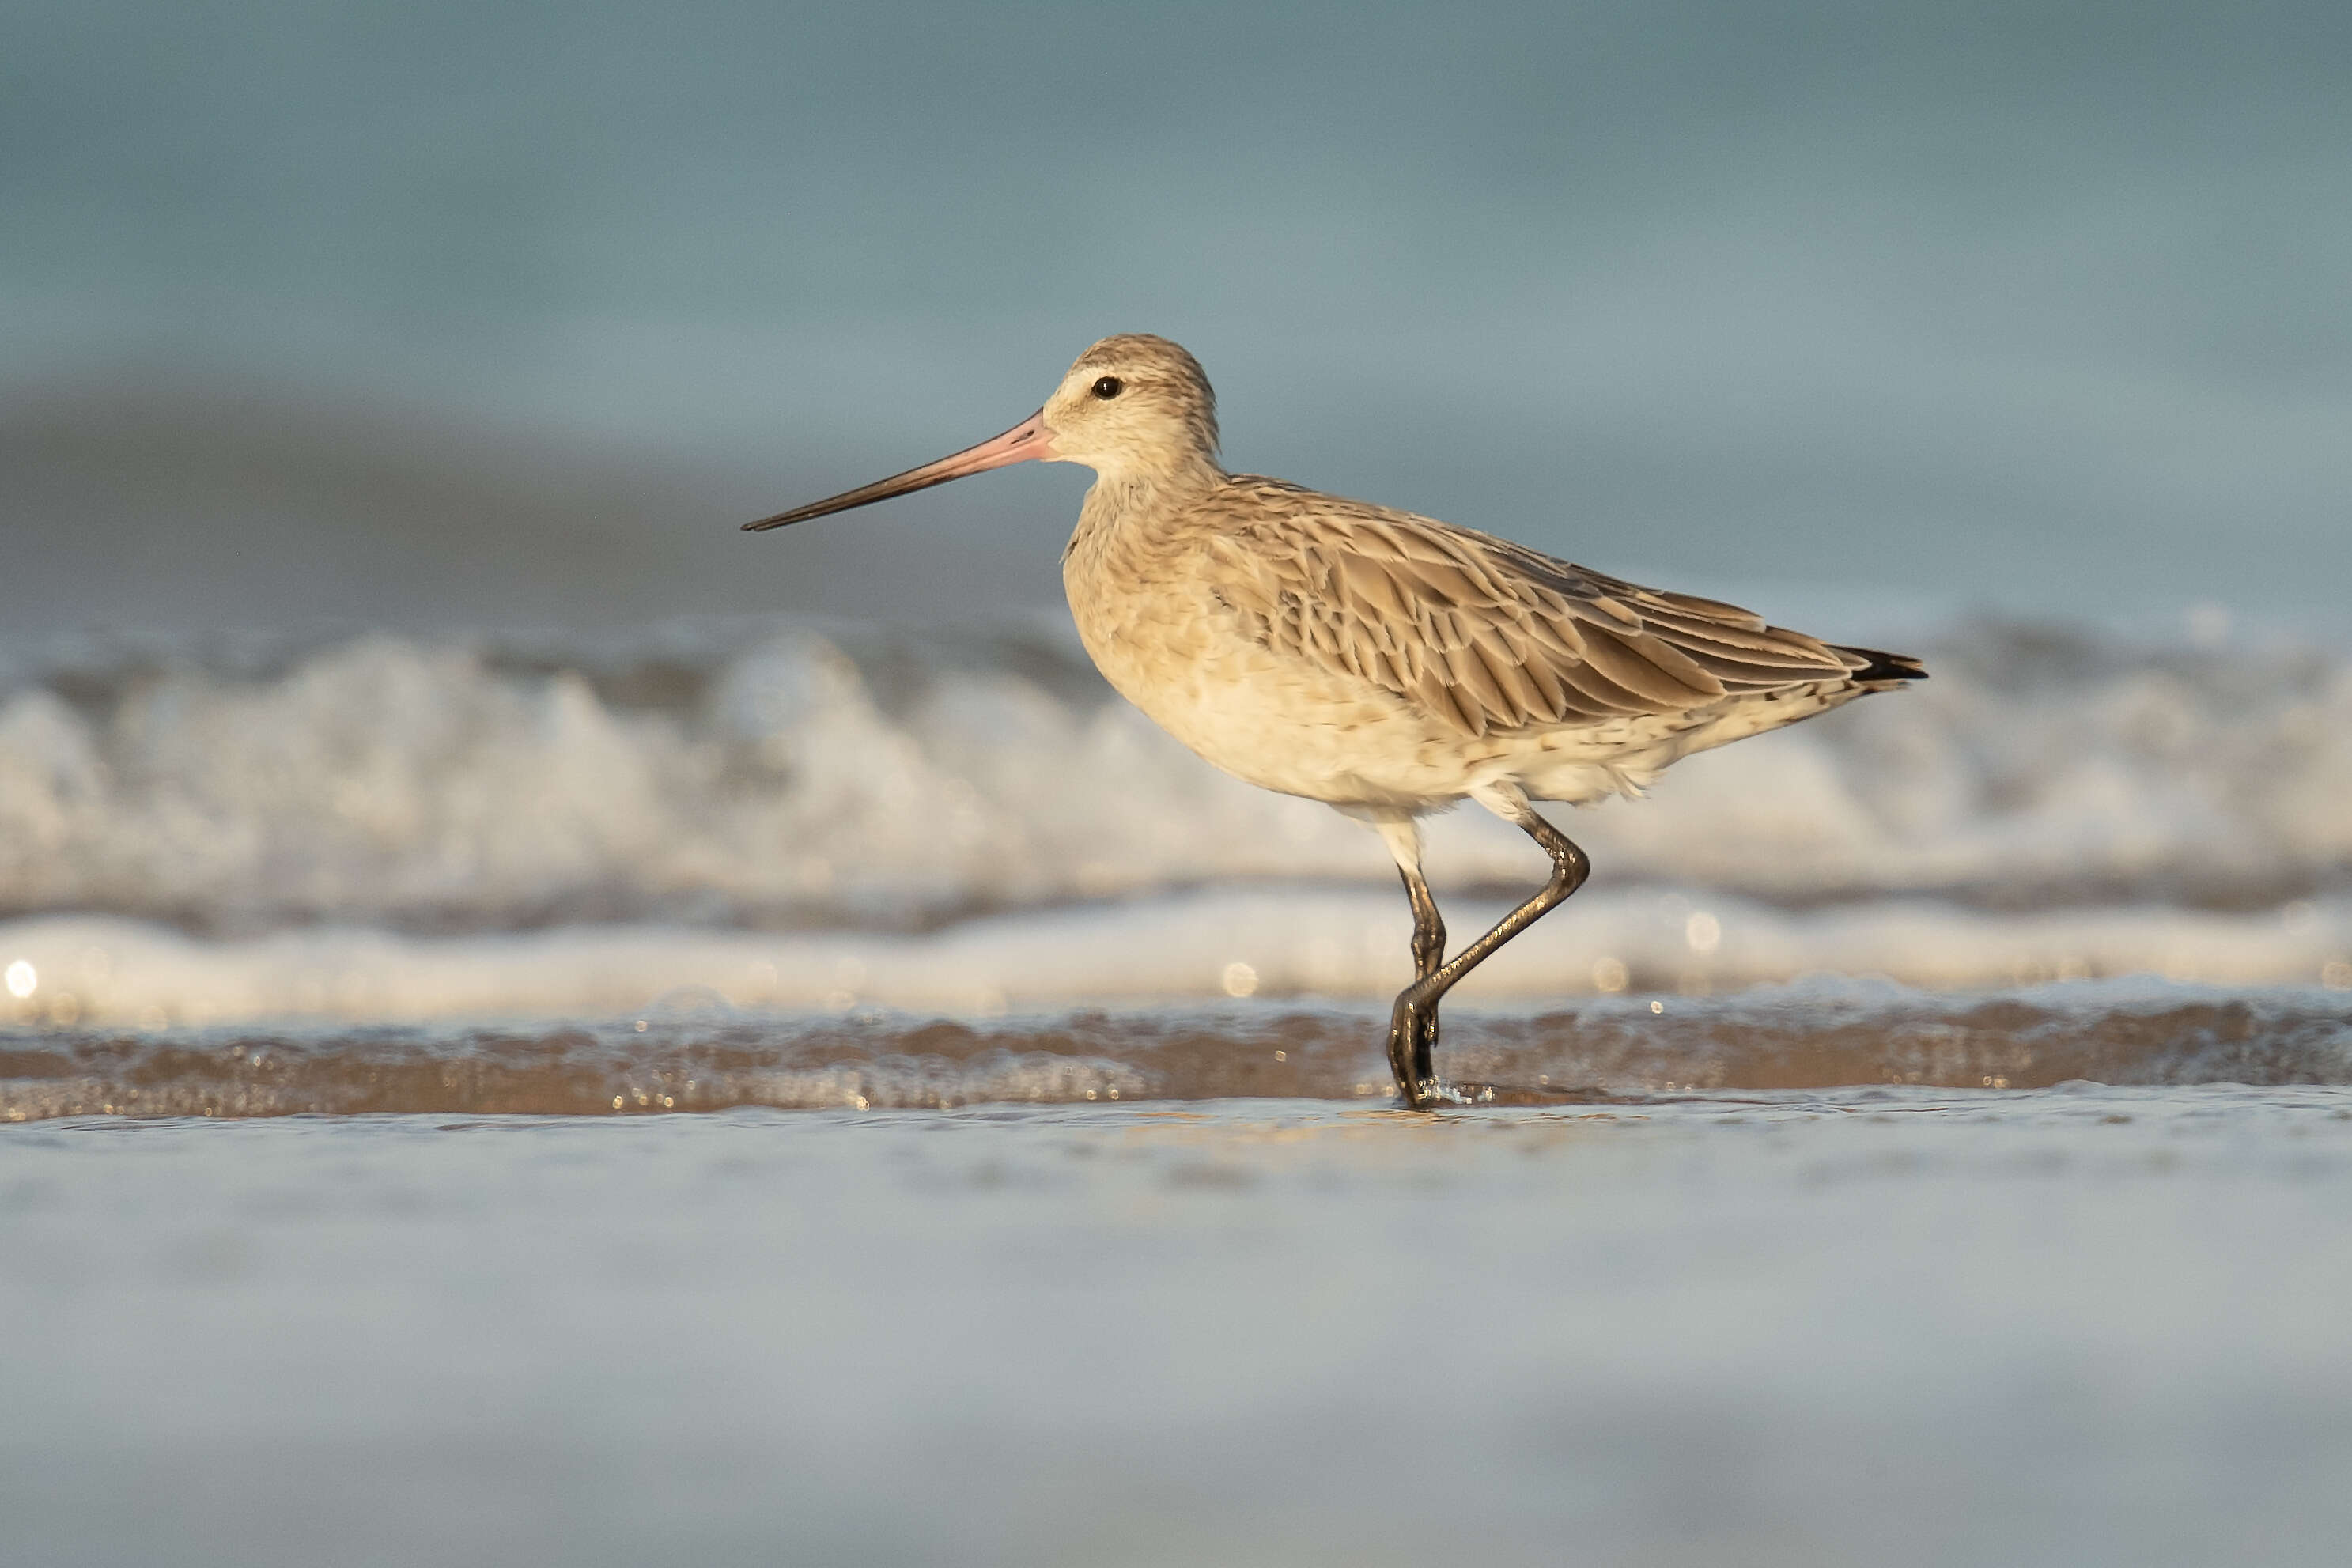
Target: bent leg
column 1416, row 1006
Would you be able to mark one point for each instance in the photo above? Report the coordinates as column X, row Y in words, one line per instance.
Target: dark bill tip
column 1026, row 441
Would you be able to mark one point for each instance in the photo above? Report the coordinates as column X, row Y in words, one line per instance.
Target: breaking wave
column 801, row 775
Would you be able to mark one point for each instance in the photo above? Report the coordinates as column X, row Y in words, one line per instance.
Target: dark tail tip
column 1871, row 667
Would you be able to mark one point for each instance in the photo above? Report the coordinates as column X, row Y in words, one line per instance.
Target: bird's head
column 1134, row 405
column 1134, row 408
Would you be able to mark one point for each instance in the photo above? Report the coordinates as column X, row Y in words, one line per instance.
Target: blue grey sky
column 450, row 312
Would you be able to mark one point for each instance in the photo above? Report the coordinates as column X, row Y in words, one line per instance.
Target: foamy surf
column 1341, row 945
column 763, row 775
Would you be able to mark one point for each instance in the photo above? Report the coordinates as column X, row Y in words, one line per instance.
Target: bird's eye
column 1109, row 387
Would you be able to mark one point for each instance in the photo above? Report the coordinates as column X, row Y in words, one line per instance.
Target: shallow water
column 2077, row 1325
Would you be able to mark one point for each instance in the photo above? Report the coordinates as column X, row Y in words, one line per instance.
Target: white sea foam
column 1265, row 943
column 806, row 776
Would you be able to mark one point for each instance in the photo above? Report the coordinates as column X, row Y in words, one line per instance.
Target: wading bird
column 1387, row 665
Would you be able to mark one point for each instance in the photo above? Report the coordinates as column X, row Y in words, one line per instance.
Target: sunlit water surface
column 2075, row 1325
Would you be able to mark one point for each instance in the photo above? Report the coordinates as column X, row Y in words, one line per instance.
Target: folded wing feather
column 1484, row 634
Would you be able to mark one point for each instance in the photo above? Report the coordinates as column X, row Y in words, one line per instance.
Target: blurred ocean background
column 458, row 316
column 1943, row 1099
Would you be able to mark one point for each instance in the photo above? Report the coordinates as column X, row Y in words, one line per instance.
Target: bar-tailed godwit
column 1387, row 665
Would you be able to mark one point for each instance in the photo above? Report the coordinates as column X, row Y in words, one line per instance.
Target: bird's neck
column 1134, row 532
column 1135, row 494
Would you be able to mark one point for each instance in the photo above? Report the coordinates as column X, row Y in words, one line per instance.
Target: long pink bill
column 1023, row 442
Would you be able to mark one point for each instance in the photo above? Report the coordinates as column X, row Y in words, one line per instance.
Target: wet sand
column 699, row 1054
column 2071, row 1326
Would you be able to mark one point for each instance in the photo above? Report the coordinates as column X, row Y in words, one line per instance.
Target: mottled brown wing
column 1482, row 633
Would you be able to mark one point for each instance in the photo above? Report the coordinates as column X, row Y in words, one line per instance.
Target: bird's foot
column 1428, row 1094
column 1411, row 1031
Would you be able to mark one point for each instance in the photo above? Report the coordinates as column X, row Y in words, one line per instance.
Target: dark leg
column 1409, row 1058
column 1414, row 1020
